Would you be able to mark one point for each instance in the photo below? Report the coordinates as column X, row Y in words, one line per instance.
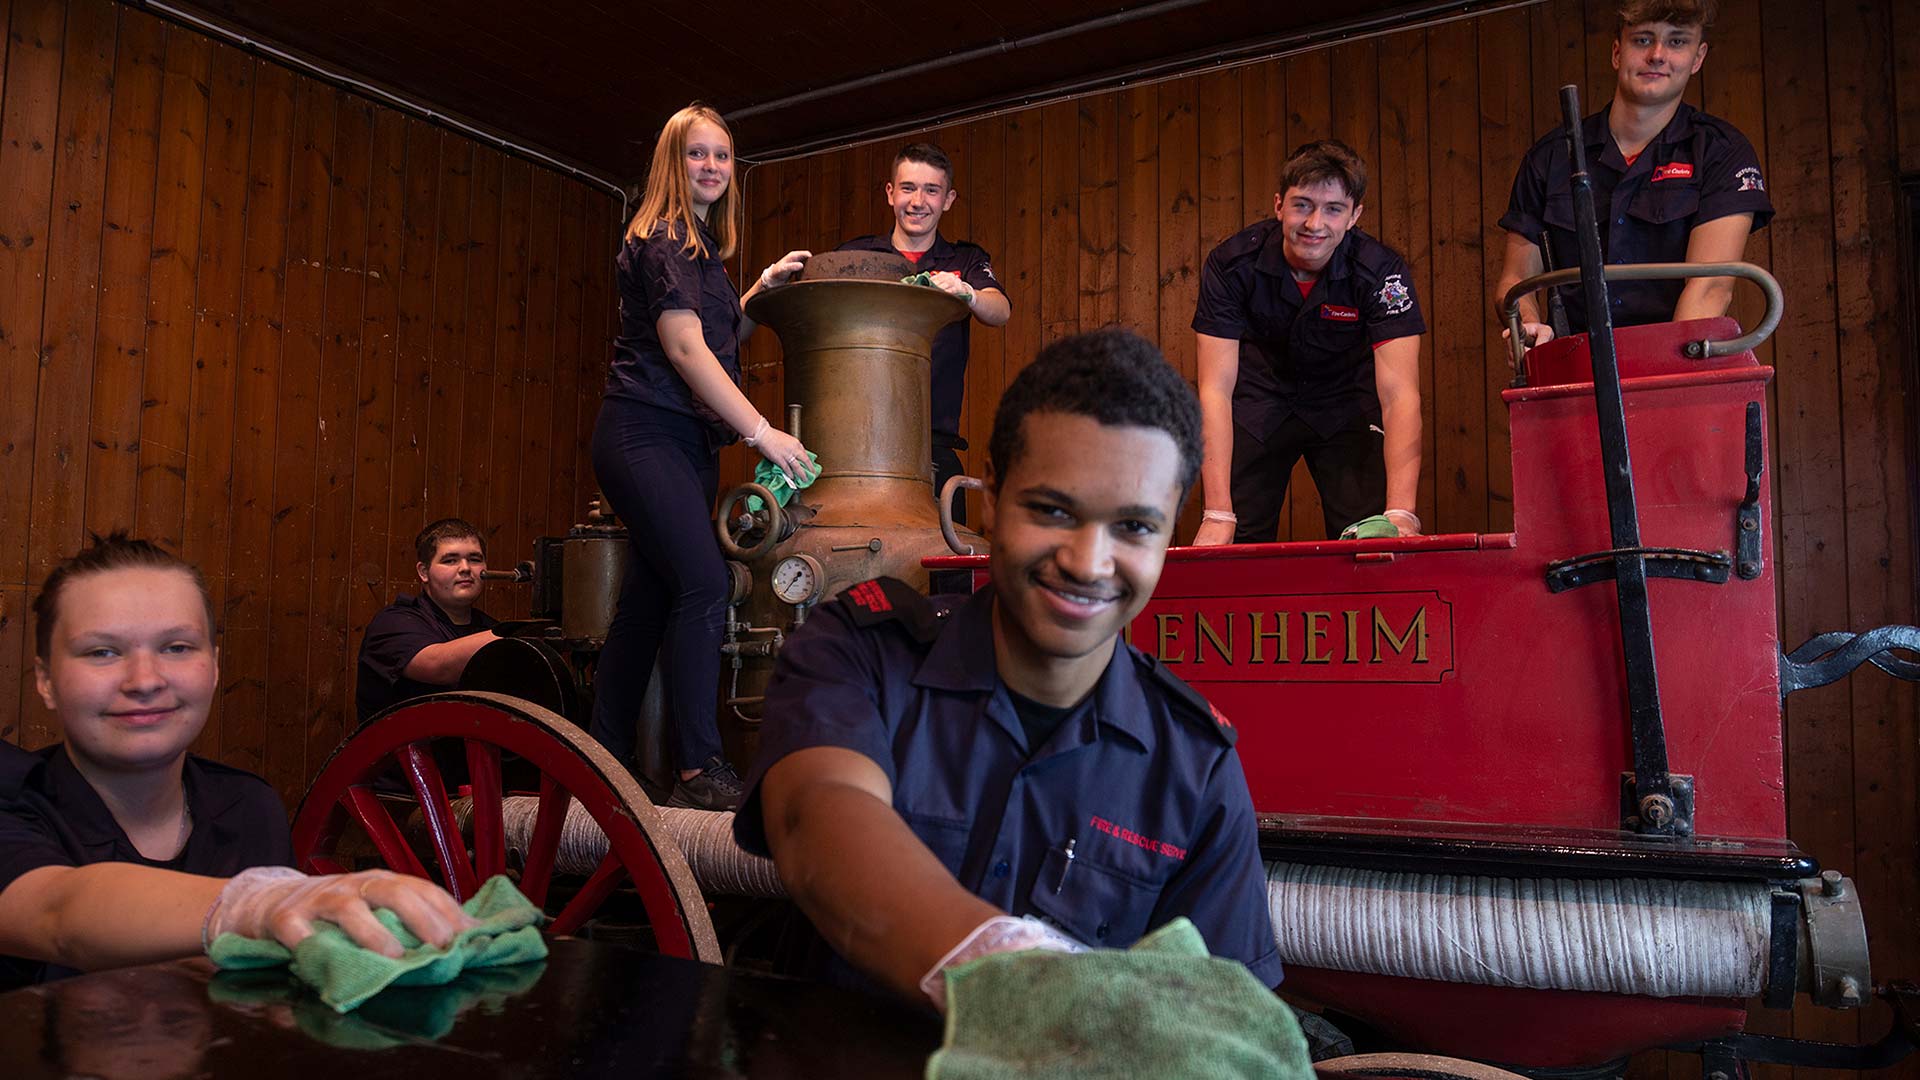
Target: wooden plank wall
column 1101, row 210
column 277, row 328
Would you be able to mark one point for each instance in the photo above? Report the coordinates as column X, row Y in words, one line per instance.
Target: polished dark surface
column 589, row 1010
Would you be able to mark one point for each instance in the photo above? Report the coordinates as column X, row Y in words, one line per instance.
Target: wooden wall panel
column 1443, row 114
column 275, row 327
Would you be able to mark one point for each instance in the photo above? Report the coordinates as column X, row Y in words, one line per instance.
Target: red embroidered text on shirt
column 1158, row 847
column 868, row 595
column 1679, row 170
column 1338, row 313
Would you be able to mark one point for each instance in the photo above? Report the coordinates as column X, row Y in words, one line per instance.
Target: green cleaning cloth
column 1377, row 527
column 1163, row 1009
column 769, row 476
column 345, row 974
column 924, row 277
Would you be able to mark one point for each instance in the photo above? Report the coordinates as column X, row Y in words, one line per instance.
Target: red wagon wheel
column 571, row 765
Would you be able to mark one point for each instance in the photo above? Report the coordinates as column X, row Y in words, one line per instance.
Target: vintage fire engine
column 1521, row 794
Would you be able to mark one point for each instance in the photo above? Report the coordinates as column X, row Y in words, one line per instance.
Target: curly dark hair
column 114, row 551
column 1114, row 376
column 427, row 544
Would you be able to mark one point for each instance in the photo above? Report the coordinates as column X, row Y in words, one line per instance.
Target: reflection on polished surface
column 590, row 1010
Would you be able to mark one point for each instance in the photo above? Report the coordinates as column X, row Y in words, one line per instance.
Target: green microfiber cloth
column 924, row 277
column 769, row 476
column 401, row 1016
column 345, row 974
column 1163, row 1009
column 1377, row 527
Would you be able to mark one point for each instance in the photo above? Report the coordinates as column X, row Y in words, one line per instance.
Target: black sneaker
column 715, row 787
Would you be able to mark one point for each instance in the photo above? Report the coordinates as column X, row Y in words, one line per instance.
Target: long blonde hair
column 669, row 199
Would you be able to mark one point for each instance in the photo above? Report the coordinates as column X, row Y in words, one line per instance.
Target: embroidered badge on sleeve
column 1750, row 179
column 1395, row 296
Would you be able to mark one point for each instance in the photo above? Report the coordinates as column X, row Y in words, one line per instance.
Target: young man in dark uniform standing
column 421, row 644
column 920, row 191
column 1308, row 345
column 1672, row 183
column 934, row 769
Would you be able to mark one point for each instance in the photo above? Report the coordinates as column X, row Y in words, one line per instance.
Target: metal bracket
column 1832, row 657
column 1783, row 951
column 1666, row 815
column 1684, row 564
column 1746, row 521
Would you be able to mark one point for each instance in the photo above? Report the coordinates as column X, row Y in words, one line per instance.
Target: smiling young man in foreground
column 939, row 779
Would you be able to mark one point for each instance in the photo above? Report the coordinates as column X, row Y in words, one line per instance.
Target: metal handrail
column 1695, row 350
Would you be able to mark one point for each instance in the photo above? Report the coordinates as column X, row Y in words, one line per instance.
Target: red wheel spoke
column 489, row 824
column 538, row 871
column 451, row 851
column 371, row 813
column 591, row 895
column 320, row 864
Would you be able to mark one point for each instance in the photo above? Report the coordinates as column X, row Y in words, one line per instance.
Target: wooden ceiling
column 589, row 81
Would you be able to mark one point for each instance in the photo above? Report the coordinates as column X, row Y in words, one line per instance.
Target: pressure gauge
column 798, row 579
column 739, row 582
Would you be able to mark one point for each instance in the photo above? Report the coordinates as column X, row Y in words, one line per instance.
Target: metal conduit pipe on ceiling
column 257, row 47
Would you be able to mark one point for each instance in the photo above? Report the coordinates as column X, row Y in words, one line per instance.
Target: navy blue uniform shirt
column 51, row 816
column 394, row 637
column 1309, row 356
column 951, row 344
column 656, row 275
column 1141, row 779
column 1697, row 169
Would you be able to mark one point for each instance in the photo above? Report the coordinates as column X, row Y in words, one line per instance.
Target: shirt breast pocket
column 1094, row 904
column 1662, row 204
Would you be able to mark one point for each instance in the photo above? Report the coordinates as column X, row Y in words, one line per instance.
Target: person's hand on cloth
column 1163, row 1008
column 1404, row 520
column 782, row 270
column 950, row 283
column 785, row 452
column 278, row 903
column 1000, row 934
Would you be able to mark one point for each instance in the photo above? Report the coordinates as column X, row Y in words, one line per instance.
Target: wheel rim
column 572, row 766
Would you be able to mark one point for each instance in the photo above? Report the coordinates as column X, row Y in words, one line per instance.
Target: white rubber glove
column 1000, row 934
column 281, row 903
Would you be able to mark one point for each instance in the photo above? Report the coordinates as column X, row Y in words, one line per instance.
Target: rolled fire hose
column 1625, row 936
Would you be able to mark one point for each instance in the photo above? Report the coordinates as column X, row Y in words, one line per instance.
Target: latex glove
column 787, row 454
column 1002, row 933
column 783, row 269
column 282, row 904
column 1215, row 530
column 1537, row 334
column 1405, row 520
column 950, row 283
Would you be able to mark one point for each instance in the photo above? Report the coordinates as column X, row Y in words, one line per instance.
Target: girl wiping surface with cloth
column 117, row 846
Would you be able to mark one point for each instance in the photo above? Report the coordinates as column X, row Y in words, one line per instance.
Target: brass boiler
column 857, row 363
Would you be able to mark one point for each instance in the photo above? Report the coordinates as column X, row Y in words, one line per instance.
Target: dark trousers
column 1349, row 469
column 946, row 464
column 660, row 477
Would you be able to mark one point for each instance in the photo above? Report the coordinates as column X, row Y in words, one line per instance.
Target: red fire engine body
column 1430, row 702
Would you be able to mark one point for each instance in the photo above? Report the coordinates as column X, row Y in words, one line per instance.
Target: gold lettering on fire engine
column 1162, row 624
column 1316, row 636
column 1260, row 637
column 1269, row 639
column 1382, row 628
column 1207, row 633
